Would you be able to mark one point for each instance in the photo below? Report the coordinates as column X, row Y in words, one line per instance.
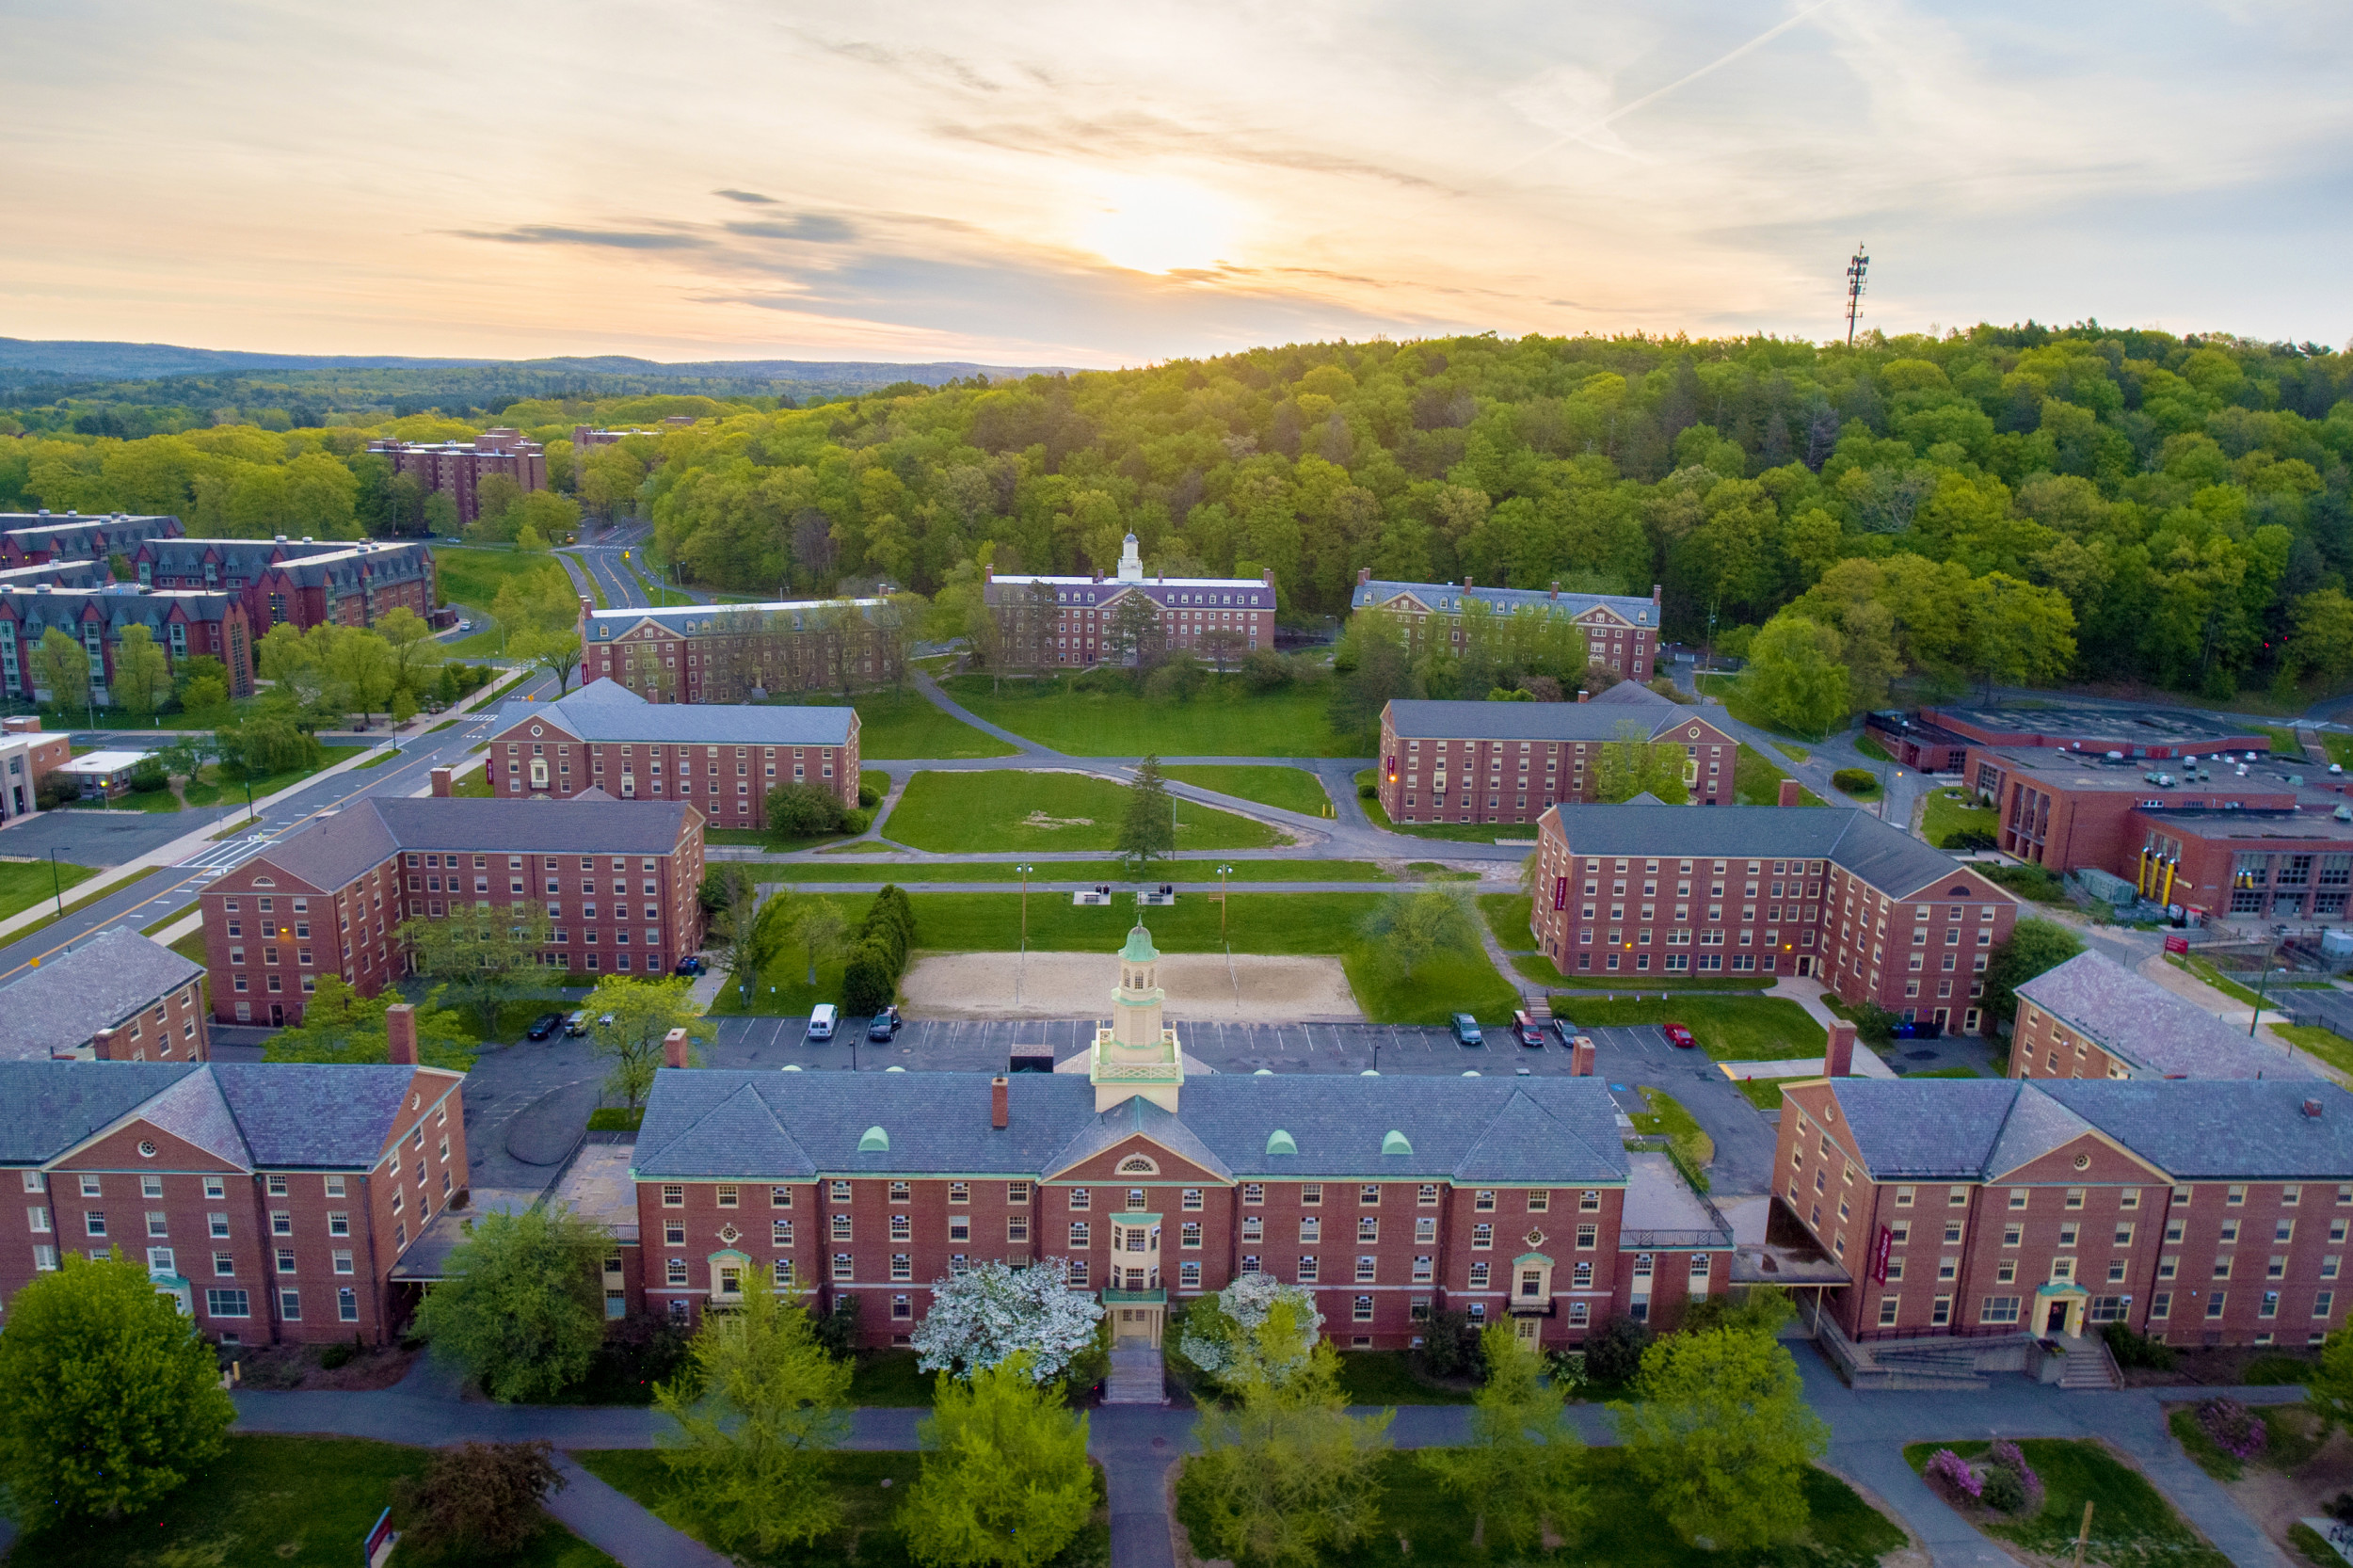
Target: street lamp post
column 1021, row 967
column 2270, row 957
column 1223, row 872
column 56, row 883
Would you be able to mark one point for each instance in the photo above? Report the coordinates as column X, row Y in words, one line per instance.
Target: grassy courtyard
column 1226, row 719
column 1014, row 812
column 1062, row 873
column 217, row 791
column 1291, row 788
column 1949, row 812
column 272, row 1502
column 1728, row 1028
column 1456, row 832
column 1756, row 781
column 2131, row 1523
column 26, row 883
column 899, row 727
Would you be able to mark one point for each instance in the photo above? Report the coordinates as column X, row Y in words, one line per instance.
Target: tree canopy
column 520, row 1304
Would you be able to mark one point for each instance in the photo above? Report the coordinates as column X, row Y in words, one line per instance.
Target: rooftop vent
column 874, row 1141
column 1393, row 1142
column 1279, row 1141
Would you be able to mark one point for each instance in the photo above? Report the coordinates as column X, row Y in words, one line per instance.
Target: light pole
column 1223, row 872
column 57, row 885
column 2271, row 955
column 1022, row 967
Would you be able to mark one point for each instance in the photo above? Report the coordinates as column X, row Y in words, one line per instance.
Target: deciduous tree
column 142, row 673
column 630, row 1018
column 62, row 668
column 1417, row 924
column 484, row 955
column 980, row 1318
column 520, row 1304
column 476, row 1500
column 2034, row 946
column 1794, row 677
column 1258, row 1329
column 1633, row 764
column 339, row 1025
column 1285, row 1474
column 1519, row 1473
column 1722, row 1437
column 1005, row 1479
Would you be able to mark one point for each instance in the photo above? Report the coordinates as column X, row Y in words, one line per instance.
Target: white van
column 821, row 1019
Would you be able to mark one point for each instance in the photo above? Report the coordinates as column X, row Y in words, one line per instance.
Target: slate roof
column 58, row 1006
column 707, row 1122
column 1596, row 720
column 1883, row 855
column 608, row 710
column 333, row 849
column 57, row 575
column 46, row 1108
column 693, row 620
column 312, row 1114
column 71, row 534
column 2155, row 1031
column 274, row 1115
column 1446, row 599
column 117, row 606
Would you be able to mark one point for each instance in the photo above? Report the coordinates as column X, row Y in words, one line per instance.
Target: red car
column 1677, row 1036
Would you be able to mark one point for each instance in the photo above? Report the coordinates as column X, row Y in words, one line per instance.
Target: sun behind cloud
column 1158, row 223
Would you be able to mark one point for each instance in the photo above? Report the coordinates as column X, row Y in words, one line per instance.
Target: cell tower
column 1855, row 269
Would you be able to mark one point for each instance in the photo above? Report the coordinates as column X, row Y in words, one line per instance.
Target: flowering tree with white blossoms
column 980, row 1318
column 1258, row 1329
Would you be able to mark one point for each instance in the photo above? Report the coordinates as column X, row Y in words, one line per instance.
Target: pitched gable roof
column 47, row 1108
column 1882, row 855
column 2149, row 1027
column 60, row 1005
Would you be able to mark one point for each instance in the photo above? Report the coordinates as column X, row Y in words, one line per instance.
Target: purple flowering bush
column 2234, row 1429
column 1950, row 1475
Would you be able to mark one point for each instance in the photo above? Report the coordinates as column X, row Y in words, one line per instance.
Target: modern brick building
column 2092, row 1018
column 57, row 575
column 1068, row 621
column 1391, row 1198
column 1639, row 890
column 31, row 538
column 27, row 753
column 1508, row 762
column 1621, row 632
column 1938, row 739
column 457, row 468
column 735, row 652
column 117, row 997
column 301, row 582
column 270, row 1201
column 183, row 625
column 619, row 887
column 721, row 758
column 2202, row 1213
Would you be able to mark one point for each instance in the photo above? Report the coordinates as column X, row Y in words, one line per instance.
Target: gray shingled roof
column 58, row 1006
column 1446, row 599
column 274, row 1115
column 330, row 850
column 698, row 619
column 608, row 710
column 699, row 1124
column 1881, row 854
column 1597, row 720
column 314, row 1114
column 334, row 849
column 2153, row 1030
column 48, row 1107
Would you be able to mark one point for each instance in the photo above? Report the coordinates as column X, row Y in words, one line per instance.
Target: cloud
column 808, row 226
column 753, row 196
column 609, row 239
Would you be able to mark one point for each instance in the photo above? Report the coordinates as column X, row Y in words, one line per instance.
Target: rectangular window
column 227, row 1304
column 1999, row 1309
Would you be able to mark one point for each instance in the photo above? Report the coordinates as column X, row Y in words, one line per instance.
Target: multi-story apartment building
column 181, row 624
column 117, row 997
column 721, row 758
column 1511, row 1199
column 57, row 575
column 619, row 889
column 27, row 753
column 2093, row 1018
column 737, row 652
column 2202, row 1213
column 270, row 1201
column 458, row 468
column 1511, row 762
column 1620, row 631
column 31, row 538
column 1068, row 621
column 301, row 583
column 1635, row 890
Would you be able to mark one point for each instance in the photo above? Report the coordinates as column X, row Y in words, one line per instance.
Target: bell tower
column 1138, row 1054
column 1131, row 561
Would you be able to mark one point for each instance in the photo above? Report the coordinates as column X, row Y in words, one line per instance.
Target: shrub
column 2234, row 1429
column 1615, row 1355
column 867, row 981
column 1875, row 1023
column 836, row 1332
column 2133, row 1350
column 148, row 775
column 2001, row 1490
column 1452, row 1348
column 1266, row 670
column 804, row 811
column 1179, row 680
column 1950, row 1476
column 53, row 790
column 337, row 1355
column 644, row 1349
column 477, row 1499
column 1368, row 790
column 869, row 796
column 1967, row 839
column 1855, row 780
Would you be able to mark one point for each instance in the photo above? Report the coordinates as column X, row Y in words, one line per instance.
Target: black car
column 881, row 1029
column 545, row 1025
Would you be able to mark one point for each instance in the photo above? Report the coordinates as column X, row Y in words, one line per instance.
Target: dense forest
column 2007, row 503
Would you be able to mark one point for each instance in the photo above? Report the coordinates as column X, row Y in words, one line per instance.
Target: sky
column 1094, row 185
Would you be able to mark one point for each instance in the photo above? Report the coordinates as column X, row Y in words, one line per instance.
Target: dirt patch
column 277, row 1366
column 1039, row 819
column 1256, row 989
column 2277, row 1499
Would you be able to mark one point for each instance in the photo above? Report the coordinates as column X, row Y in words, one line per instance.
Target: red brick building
column 301, row 583
column 270, row 1201
column 737, row 652
column 1069, row 621
column 1619, row 631
column 1390, row 1198
column 117, row 997
column 457, row 468
column 2092, row 1018
column 183, row 625
column 723, row 760
column 1938, row 739
column 619, row 887
column 30, row 539
column 2202, row 1213
column 1668, row 890
column 27, row 753
column 1511, row 762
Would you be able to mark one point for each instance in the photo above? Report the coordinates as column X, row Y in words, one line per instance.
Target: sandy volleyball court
column 1079, row 986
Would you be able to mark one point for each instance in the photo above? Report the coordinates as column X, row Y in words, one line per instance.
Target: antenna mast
column 1855, row 269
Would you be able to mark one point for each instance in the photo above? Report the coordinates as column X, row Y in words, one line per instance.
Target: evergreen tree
column 1149, row 832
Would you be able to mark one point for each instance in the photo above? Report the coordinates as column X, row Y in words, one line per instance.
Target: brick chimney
column 1655, row 591
column 1838, row 1058
column 1467, row 583
column 1556, row 591
column 2312, row 1107
column 1364, row 574
column 1790, row 792
column 442, row 779
column 1584, row 696
column 587, row 606
column 1581, row 1057
column 1000, row 1101
column 1266, row 575
column 400, row 1034
column 674, row 1049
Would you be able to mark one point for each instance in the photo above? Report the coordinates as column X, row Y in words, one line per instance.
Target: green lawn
column 2283, row 742
column 218, row 792
column 1291, row 788
column 1387, row 1377
column 1795, row 754
column 271, row 1502
column 2216, row 978
column 135, row 800
column 1536, row 967
column 474, row 783
column 1427, row 1527
column 1507, row 914
column 1280, row 923
column 26, row 883
column 1951, row 811
column 892, row 1378
column 1668, row 1119
column 473, row 577
column 2289, row 1439
column 1872, row 749
column 1755, row 781
column 2340, row 747
column 96, row 893
column 1062, row 873
column 908, row 727
column 387, row 754
column 2132, row 1521
column 1225, row 720
column 1763, row 1092
column 1457, row 832
column 2327, row 1044
column 191, row 947
column 1009, row 811
column 1728, row 1028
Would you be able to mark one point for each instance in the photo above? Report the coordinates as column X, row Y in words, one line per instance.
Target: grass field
column 1728, row 1028
column 23, row 884
column 1012, row 811
column 908, row 727
column 1278, row 923
column 1291, row 788
column 1225, row 720
column 1755, row 781
column 135, row 800
column 1872, row 749
column 1536, row 967
column 1763, row 1092
column 2327, row 1045
column 1456, row 832
column 2132, row 1521
column 1507, row 914
column 271, row 1502
column 94, row 892
column 219, row 791
column 2037, row 883
column 1948, row 812
column 892, row 1378
column 1668, row 1119
column 1387, row 1377
column 1060, row 874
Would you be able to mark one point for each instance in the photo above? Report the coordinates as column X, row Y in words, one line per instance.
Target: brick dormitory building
column 1511, row 762
column 721, row 758
column 2092, row 1018
column 1637, row 891
column 457, row 468
column 731, row 653
column 117, row 997
column 270, row 1200
column 619, row 885
column 183, row 624
column 1157, row 1181
column 1621, row 630
column 1071, row 621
